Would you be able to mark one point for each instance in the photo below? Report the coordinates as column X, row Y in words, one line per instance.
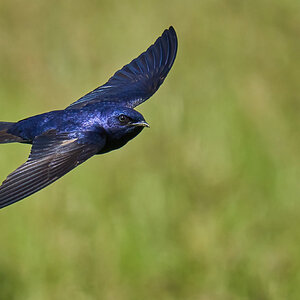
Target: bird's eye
column 123, row 119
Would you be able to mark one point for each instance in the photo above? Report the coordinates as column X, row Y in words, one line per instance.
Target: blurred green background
column 204, row 205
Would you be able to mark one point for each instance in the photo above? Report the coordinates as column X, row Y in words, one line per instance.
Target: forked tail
column 5, row 136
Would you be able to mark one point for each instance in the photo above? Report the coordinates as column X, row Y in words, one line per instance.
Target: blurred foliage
column 205, row 204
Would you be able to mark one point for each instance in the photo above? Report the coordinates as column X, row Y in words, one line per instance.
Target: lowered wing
column 52, row 156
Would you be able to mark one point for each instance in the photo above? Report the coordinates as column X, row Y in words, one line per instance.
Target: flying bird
column 101, row 121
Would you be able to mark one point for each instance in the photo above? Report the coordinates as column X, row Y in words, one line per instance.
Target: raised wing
column 140, row 79
column 51, row 157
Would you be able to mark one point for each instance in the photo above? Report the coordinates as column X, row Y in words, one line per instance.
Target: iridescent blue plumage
column 99, row 122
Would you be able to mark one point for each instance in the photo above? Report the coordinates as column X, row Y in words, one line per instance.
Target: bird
column 99, row 122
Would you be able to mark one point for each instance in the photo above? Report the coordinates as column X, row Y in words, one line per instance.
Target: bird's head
column 123, row 124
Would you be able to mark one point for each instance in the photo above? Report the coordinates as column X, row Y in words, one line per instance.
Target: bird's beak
column 142, row 124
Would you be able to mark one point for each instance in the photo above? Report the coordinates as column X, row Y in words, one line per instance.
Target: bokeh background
column 203, row 206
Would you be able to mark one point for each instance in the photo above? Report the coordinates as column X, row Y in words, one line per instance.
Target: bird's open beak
column 142, row 124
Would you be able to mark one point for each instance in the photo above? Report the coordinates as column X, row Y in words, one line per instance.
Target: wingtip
column 173, row 35
column 172, row 30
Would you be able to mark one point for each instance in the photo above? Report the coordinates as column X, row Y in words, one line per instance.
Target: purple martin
column 101, row 121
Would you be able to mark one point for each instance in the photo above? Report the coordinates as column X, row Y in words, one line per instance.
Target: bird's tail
column 5, row 136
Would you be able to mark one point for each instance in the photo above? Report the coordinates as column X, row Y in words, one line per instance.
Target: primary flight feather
column 99, row 122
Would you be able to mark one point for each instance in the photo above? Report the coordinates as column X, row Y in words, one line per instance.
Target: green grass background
column 203, row 206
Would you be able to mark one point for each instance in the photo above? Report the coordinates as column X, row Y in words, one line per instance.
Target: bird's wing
column 140, row 79
column 52, row 156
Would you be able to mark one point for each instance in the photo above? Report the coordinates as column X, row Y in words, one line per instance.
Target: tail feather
column 5, row 136
column 5, row 125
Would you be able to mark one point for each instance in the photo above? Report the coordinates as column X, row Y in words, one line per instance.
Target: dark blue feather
column 140, row 79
